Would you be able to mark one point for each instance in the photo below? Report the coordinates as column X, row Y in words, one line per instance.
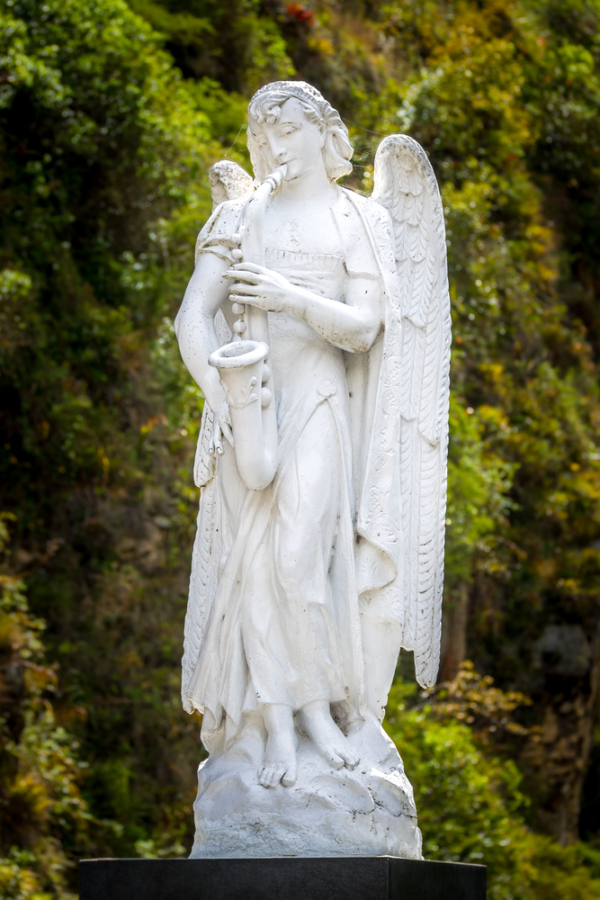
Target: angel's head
column 291, row 122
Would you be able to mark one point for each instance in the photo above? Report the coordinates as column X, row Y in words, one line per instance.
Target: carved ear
column 228, row 181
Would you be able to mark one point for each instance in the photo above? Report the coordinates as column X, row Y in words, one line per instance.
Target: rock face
column 367, row 811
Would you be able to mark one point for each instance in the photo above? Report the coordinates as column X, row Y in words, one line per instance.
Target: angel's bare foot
column 327, row 737
column 280, row 764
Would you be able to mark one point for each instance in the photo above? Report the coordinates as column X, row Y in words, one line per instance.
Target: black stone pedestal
column 331, row 878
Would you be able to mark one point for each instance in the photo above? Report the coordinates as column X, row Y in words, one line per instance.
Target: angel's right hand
column 221, row 429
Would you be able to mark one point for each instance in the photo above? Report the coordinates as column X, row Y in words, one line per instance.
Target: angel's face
column 292, row 140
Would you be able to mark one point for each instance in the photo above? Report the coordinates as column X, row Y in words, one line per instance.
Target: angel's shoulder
column 358, row 225
column 219, row 234
column 379, row 223
column 225, row 217
column 373, row 211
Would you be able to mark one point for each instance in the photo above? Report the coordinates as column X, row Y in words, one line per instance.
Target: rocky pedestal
column 363, row 878
column 365, row 811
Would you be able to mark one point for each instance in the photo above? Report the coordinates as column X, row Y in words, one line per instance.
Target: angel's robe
column 280, row 576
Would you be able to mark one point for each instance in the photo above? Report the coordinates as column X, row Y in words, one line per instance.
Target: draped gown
column 284, row 624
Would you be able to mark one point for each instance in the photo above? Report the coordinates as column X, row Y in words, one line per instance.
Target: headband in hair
column 301, row 91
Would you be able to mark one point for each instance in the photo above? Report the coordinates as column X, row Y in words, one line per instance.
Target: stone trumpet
column 243, row 364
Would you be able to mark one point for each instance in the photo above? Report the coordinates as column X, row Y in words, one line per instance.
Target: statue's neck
column 311, row 186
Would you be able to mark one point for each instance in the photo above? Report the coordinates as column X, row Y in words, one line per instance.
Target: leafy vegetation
column 43, row 813
column 457, row 782
column 110, row 114
column 102, row 155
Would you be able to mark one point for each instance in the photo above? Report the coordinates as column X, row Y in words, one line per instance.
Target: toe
column 352, row 760
column 334, row 760
column 289, row 777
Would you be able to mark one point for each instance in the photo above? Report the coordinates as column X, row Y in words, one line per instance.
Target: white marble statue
column 322, row 464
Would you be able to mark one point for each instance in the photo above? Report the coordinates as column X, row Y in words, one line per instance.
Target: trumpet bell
column 239, row 354
column 241, row 366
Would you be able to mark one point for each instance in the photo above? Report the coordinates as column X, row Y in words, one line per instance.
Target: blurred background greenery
column 110, row 115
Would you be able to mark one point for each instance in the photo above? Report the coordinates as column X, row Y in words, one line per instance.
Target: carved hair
column 266, row 105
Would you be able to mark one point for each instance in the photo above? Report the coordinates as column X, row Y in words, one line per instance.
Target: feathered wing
column 228, row 181
column 405, row 184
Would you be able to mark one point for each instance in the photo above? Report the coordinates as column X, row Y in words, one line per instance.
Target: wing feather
column 228, row 181
column 203, row 583
column 406, row 186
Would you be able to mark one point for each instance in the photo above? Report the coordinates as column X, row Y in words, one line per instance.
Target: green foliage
column 205, row 36
column 470, row 804
column 44, row 817
column 471, row 699
column 101, row 192
column 479, row 481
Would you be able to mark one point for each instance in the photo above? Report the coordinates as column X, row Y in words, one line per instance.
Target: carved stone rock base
column 367, row 811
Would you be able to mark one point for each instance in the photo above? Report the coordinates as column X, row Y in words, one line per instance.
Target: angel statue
column 317, row 324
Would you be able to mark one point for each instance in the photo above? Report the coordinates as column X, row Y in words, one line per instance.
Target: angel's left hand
column 259, row 286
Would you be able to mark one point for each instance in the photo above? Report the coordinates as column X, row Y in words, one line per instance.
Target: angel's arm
column 194, row 325
column 352, row 325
